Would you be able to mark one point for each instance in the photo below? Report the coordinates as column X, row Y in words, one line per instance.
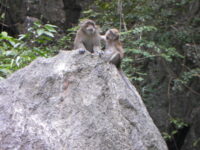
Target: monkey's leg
column 115, row 59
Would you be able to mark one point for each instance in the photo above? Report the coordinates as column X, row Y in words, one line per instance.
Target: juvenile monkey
column 88, row 37
column 114, row 52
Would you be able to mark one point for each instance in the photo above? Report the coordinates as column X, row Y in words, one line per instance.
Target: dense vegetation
column 151, row 33
column 18, row 52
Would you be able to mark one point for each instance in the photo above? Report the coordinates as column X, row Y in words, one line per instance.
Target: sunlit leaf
column 40, row 32
column 49, row 34
column 4, row 34
column 17, row 61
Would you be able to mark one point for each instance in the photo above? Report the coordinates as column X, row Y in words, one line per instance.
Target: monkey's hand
column 100, row 53
column 81, row 51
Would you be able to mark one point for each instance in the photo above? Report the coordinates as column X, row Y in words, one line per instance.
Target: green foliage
column 16, row 53
column 150, row 31
column 166, row 136
column 177, row 124
column 142, row 44
column 155, row 32
column 140, row 49
column 66, row 41
column 185, row 78
column 39, row 34
column 196, row 142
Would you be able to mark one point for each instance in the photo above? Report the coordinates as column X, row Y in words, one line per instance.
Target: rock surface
column 73, row 102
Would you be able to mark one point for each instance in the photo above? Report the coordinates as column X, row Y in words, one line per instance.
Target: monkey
column 114, row 52
column 88, row 38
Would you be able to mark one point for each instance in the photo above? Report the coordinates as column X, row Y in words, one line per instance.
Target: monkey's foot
column 100, row 53
column 81, row 51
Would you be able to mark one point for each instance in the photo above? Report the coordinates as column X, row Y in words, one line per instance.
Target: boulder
column 74, row 102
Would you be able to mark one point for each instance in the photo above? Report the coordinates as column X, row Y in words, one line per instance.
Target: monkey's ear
column 111, row 32
column 114, row 35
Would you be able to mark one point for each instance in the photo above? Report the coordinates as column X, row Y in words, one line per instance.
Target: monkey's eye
column 90, row 24
column 90, row 27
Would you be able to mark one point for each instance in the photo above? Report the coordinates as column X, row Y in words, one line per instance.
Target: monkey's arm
column 97, row 46
column 121, row 51
column 115, row 59
column 103, row 38
column 79, row 44
column 122, row 54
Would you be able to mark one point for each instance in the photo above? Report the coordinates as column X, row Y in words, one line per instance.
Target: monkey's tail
column 126, row 80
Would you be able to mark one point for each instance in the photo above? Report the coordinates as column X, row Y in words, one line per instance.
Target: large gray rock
column 73, row 102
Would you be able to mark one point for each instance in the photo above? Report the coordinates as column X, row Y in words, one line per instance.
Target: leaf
column 17, row 61
column 2, row 16
column 22, row 36
column 37, row 24
column 196, row 142
column 50, row 28
column 5, row 71
column 38, row 51
column 88, row 11
column 12, row 62
column 138, row 78
column 12, row 43
column 16, row 45
column 130, row 60
column 174, row 132
column 10, row 53
column 1, row 78
column 50, row 25
column 40, row 32
column 4, row 34
column 49, row 34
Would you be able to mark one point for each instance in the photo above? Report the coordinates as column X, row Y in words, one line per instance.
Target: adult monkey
column 88, row 37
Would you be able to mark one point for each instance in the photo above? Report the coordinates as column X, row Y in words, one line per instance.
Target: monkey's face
column 112, row 35
column 89, row 27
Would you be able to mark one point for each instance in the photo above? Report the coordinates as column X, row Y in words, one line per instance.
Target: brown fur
column 114, row 49
column 87, row 37
column 114, row 52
